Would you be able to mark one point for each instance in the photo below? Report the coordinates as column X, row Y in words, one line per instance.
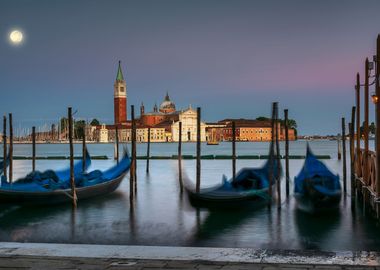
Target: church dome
column 167, row 106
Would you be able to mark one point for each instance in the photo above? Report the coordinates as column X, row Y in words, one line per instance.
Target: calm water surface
column 161, row 215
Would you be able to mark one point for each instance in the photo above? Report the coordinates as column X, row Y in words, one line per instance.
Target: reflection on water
column 162, row 215
column 314, row 229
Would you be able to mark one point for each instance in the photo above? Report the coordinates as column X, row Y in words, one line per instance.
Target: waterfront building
column 188, row 118
column 214, row 132
column 103, row 134
column 90, row 132
column 157, row 134
column 252, row 130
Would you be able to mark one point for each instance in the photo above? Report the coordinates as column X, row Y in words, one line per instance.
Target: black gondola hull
column 248, row 201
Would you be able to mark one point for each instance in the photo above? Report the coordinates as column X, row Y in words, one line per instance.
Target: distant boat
column 316, row 187
column 212, row 143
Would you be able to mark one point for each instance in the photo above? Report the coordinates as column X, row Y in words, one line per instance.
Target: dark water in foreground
column 162, row 216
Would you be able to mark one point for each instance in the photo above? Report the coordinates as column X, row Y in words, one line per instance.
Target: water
column 162, row 216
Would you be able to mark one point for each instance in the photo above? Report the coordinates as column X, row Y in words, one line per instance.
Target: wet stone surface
column 41, row 263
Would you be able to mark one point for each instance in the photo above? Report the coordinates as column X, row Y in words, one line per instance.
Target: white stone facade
column 103, row 134
column 189, row 127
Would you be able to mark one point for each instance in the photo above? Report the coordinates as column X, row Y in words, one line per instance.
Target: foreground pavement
column 71, row 256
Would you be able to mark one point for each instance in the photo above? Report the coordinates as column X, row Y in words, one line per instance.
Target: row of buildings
column 163, row 122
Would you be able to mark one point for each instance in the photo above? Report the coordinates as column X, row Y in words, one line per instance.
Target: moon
column 16, row 37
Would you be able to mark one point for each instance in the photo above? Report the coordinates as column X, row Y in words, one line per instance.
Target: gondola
column 316, row 188
column 249, row 185
column 88, row 185
column 59, row 177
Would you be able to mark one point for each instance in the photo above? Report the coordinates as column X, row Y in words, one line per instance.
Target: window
column 121, row 89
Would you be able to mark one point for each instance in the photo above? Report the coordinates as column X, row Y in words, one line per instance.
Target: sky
column 231, row 58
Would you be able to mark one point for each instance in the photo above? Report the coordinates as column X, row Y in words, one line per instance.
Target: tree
column 372, row 128
column 291, row 123
column 95, row 122
column 64, row 123
column 79, row 127
column 262, row 118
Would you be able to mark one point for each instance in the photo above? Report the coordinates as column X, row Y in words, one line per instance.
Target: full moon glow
column 16, row 37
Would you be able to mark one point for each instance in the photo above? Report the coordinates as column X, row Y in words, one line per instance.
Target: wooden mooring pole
column 286, row 152
column 357, row 159
column 378, row 117
column 352, row 152
column 148, row 152
column 278, row 168
column 72, row 180
column 271, row 156
column 33, row 149
column 351, row 158
column 344, row 155
column 339, row 148
column 233, row 150
column 366, row 119
column 84, row 150
column 180, row 155
column 117, row 143
column 5, row 146
column 134, row 160
column 10, row 173
column 198, row 165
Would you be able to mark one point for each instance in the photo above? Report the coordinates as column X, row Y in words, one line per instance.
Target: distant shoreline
column 111, row 142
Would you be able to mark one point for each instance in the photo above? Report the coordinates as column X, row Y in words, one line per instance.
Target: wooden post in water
column 180, row 155
column 278, row 168
column 271, row 156
column 366, row 119
column 378, row 117
column 5, row 146
column 351, row 158
column 233, row 150
column 339, row 148
column 10, row 173
column 287, row 152
column 148, row 152
column 352, row 151
column 198, row 178
column 72, row 180
column 84, row 150
column 33, row 149
column 134, row 161
column 357, row 159
column 117, row 143
column 344, row 156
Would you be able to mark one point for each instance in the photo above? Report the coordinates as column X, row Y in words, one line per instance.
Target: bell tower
column 120, row 98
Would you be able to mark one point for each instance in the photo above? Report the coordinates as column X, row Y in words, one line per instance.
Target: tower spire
column 119, row 76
